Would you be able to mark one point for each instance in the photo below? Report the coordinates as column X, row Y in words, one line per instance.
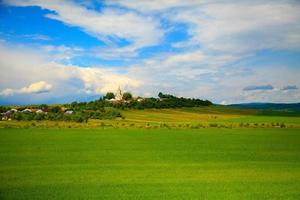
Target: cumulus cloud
column 61, row 79
column 100, row 81
column 214, row 62
column 244, row 27
column 108, row 25
column 238, row 27
column 37, row 88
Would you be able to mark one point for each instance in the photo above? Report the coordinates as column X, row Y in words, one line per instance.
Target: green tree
column 160, row 95
column 127, row 96
column 43, row 106
column 3, row 109
column 55, row 109
column 109, row 95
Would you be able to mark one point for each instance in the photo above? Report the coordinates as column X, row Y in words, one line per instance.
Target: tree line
column 163, row 101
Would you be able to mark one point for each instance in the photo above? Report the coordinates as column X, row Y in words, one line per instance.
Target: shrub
column 213, row 125
column 282, row 125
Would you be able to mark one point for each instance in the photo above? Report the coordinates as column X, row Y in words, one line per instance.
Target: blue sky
column 225, row 51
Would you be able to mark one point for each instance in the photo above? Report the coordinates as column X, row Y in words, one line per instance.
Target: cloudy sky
column 225, row 51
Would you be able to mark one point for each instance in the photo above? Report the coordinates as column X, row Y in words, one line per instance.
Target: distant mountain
column 292, row 107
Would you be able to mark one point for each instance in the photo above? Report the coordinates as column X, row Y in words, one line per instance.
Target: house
column 39, row 111
column 45, row 110
column 69, row 112
column 13, row 110
column 139, row 99
column 63, row 109
column 27, row 110
column 6, row 116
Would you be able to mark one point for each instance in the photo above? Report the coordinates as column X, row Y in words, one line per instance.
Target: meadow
column 185, row 153
column 110, row 163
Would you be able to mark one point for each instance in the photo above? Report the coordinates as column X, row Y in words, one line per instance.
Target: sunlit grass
column 149, row 164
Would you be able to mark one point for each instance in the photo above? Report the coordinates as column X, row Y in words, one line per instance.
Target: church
column 119, row 95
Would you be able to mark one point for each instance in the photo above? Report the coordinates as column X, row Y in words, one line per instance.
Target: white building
column 27, row 110
column 119, row 95
column 69, row 112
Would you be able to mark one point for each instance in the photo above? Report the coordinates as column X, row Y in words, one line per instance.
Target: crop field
column 124, row 163
column 172, row 118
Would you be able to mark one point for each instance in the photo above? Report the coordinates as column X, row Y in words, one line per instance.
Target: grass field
column 150, row 164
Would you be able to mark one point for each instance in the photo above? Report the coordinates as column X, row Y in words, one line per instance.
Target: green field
column 109, row 163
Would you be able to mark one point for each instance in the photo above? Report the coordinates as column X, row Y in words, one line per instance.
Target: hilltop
column 293, row 107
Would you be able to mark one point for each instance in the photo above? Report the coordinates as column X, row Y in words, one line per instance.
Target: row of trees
column 28, row 116
column 79, row 116
column 164, row 101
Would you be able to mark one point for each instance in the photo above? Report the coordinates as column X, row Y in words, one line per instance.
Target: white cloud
column 242, row 27
column 100, row 81
column 37, row 37
column 156, row 5
column 28, row 66
column 38, row 87
column 108, row 25
column 230, row 26
column 210, row 64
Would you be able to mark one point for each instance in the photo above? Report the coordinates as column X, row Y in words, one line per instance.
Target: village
column 9, row 113
column 106, row 107
column 114, row 98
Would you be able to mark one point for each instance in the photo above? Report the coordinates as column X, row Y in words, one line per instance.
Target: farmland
column 200, row 117
column 150, row 164
column 185, row 153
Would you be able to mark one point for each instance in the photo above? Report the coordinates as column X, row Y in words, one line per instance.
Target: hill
column 292, row 107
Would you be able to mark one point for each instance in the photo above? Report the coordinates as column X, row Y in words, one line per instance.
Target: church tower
column 119, row 95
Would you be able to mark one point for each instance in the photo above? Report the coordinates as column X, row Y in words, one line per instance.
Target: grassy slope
column 213, row 114
column 149, row 164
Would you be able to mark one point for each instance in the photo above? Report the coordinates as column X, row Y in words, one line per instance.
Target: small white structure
column 6, row 116
column 69, row 112
column 13, row 110
column 39, row 111
column 27, row 110
column 140, row 99
column 119, row 95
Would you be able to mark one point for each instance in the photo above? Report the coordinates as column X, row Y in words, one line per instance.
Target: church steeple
column 119, row 95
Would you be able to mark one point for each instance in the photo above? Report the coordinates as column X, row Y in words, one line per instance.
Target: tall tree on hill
column 127, row 96
column 109, row 95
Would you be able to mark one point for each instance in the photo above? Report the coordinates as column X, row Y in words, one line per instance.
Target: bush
column 213, row 125
column 55, row 109
column 282, row 125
